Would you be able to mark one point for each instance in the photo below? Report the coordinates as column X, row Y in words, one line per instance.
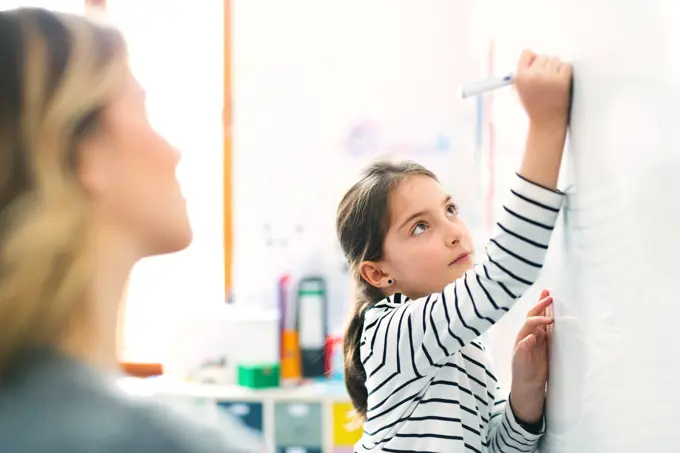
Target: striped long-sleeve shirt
column 428, row 379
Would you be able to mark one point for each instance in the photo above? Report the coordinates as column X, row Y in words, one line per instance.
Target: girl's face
column 427, row 245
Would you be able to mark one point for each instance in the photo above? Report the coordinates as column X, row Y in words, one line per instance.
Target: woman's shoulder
column 56, row 404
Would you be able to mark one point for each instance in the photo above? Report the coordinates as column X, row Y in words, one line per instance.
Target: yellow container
column 343, row 433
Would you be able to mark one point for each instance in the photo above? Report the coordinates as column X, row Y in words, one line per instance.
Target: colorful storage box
column 343, row 434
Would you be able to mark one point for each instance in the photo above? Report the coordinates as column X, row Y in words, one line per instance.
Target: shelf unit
column 311, row 418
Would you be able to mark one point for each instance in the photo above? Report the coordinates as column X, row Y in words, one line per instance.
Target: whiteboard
column 616, row 355
column 614, row 360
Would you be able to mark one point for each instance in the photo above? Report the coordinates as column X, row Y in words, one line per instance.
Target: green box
column 258, row 376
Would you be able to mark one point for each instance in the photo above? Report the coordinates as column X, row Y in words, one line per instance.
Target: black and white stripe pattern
column 428, row 379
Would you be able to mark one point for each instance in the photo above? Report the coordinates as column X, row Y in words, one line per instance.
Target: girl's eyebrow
column 415, row 215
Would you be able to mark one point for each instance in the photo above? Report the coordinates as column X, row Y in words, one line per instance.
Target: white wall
column 177, row 54
column 67, row 6
column 305, row 74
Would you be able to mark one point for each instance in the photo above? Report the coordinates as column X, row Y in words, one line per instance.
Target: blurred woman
column 87, row 188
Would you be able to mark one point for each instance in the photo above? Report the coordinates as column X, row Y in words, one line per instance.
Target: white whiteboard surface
column 615, row 356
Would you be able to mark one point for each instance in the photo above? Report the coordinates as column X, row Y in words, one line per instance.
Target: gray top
column 52, row 404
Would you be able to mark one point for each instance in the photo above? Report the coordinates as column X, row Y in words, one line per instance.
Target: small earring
column 389, row 282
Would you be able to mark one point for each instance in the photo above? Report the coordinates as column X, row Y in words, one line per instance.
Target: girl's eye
column 419, row 228
column 452, row 210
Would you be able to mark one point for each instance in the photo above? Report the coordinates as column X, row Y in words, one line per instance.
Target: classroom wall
column 398, row 84
column 306, row 119
column 176, row 52
column 67, row 6
column 320, row 89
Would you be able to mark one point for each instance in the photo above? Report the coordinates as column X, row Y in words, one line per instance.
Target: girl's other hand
column 531, row 361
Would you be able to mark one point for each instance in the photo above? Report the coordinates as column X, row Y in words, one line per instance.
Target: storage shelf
column 270, row 413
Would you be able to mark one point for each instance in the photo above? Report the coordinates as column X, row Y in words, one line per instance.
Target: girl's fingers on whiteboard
column 527, row 343
column 540, row 307
column 538, row 322
column 550, row 312
column 566, row 70
column 526, row 59
column 540, row 62
column 554, row 64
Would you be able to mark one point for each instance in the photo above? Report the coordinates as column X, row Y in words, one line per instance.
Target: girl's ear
column 373, row 273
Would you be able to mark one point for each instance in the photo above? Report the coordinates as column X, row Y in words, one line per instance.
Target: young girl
column 414, row 368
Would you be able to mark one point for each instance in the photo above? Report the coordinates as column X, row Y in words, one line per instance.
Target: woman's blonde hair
column 57, row 73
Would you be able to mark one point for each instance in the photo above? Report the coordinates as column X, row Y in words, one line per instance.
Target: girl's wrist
column 527, row 403
column 557, row 127
column 543, row 154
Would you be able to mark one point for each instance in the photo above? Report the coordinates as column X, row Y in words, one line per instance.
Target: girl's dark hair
column 362, row 223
